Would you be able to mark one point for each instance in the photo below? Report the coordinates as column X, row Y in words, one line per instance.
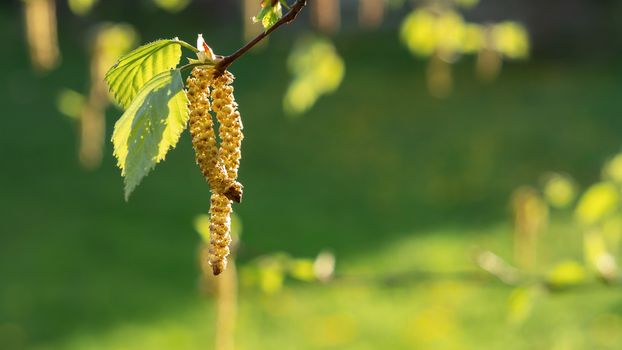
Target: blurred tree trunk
column 439, row 77
column 92, row 120
column 326, row 15
column 225, row 289
column 489, row 60
column 531, row 217
column 41, row 33
column 371, row 13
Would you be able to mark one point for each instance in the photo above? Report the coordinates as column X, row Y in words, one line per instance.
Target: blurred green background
column 408, row 191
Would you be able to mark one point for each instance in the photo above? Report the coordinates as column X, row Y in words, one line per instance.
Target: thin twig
column 223, row 64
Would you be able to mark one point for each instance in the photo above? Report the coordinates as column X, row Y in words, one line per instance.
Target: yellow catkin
column 230, row 131
column 220, row 232
column 204, row 138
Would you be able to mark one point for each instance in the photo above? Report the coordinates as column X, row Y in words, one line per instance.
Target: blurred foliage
column 559, row 190
column 70, row 103
column 613, row 169
column 466, row 3
column 81, row 7
column 510, row 39
column 427, row 31
column 172, row 6
column 597, row 202
column 269, row 272
column 566, row 274
column 112, row 42
column 441, row 33
column 317, row 69
column 521, row 303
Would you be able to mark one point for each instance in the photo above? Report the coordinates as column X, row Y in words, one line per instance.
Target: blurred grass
column 365, row 173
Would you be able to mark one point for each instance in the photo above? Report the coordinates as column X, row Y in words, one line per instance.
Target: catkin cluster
column 219, row 164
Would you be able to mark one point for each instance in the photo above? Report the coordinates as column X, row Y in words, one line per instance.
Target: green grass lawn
column 385, row 176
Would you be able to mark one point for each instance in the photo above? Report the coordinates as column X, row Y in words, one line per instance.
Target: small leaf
column 262, row 13
column 135, row 69
column 273, row 16
column 269, row 14
column 150, row 126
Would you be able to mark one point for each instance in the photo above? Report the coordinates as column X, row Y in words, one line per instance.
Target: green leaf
column 150, row 126
column 262, row 13
column 272, row 16
column 135, row 69
column 269, row 14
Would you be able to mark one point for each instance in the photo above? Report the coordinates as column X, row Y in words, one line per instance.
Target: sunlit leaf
column 566, row 274
column 150, row 127
column 269, row 14
column 135, row 69
column 272, row 16
column 597, row 202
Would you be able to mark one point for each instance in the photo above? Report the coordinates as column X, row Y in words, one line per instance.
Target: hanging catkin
column 230, row 131
column 204, row 138
column 220, row 232
column 219, row 165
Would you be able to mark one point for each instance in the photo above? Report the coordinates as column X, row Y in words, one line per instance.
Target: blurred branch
column 289, row 17
column 417, row 276
column 492, row 269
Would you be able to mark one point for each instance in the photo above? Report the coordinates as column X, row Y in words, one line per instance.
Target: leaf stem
column 223, row 64
column 187, row 46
